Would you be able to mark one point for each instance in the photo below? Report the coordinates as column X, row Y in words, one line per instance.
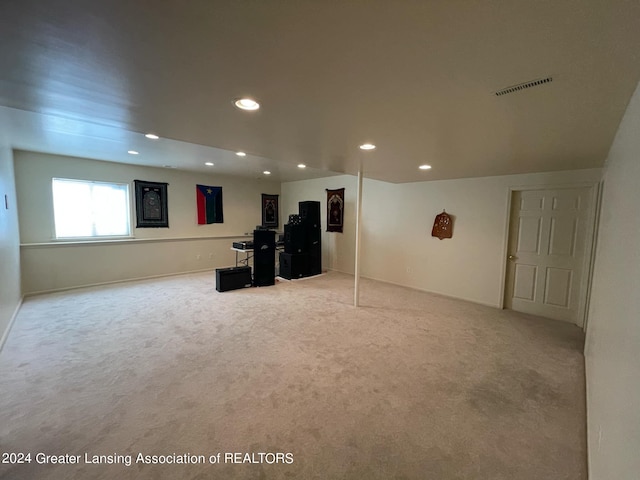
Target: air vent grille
column 522, row 86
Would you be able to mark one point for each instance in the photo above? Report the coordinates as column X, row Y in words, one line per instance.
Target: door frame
column 594, row 245
column 589, row 248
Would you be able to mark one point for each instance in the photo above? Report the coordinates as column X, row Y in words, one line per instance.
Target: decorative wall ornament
column 209, row 204
column 151, row 204
column 335, row 210
column 270, row 211
column 442, row 226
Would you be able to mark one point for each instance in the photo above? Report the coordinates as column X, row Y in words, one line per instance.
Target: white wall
column 9, row 241
column 613, row 337
column 183, row 247
column 397, row 245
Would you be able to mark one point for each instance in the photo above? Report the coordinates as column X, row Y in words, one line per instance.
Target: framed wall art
column 269, row 211
column 151, row 204
column 335, row 210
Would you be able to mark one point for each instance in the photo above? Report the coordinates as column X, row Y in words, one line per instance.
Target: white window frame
column 94, row 237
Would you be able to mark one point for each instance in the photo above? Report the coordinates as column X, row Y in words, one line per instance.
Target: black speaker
column 311, row 235
column 315, row 260
column 310, row 211
column 232, row 278
column 264, row 258
column 293, row 265
column 294, row 238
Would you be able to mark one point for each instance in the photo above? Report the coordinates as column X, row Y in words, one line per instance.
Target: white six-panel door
column 548, row 238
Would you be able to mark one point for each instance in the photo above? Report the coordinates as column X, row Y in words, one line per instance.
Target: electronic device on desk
column 248, row 245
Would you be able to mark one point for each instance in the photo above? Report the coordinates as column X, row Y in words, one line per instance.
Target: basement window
column 88, row 209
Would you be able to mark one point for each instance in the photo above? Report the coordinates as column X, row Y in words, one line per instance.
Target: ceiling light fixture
column 302, row 165
column 152, row 136
column 241, row 154
column 133, row 152
column 247, row 104
column 367, row 146
column 267, row 172
column 208, row 164
column 425, row 167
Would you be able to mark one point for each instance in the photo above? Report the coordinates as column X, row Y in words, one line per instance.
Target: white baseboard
column 486, row 304
column 311, row 277
column 5, row 334
column 112, row 282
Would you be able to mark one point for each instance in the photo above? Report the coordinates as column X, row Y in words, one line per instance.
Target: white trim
column 587, row 262
column 311, row 277
column 5, row 334
column 505, row 249
column 587, row 410
column 124, row 241
column 592, row 254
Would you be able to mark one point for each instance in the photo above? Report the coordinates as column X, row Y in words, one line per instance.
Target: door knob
column 511, row 257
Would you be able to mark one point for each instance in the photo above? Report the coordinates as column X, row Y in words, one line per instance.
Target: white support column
column 356, row 295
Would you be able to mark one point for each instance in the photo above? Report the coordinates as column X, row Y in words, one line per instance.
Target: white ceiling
column 417, row 78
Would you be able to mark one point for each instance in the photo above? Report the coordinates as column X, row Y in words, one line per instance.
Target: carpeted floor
column 409, row 386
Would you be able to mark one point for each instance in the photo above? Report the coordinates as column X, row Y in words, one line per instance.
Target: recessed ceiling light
column 133, row 152
column 247, row 104
column 241, row 154
column 152, row 136
column 302, row 165
column 267, row 172
column 424, row 167
column 208, row 164
column 367, row 146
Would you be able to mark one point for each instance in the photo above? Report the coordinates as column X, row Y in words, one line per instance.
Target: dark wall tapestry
column 209, row 204
column 335, row 210
column 269, row 211
column 151, row 204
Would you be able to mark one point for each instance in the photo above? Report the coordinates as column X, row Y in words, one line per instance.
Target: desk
column 248, row 255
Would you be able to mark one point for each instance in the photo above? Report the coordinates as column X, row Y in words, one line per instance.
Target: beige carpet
column 409, row 386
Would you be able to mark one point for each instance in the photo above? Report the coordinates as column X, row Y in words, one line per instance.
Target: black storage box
column 232, row 278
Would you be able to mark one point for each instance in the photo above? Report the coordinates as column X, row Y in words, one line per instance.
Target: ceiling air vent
column 522, row 86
